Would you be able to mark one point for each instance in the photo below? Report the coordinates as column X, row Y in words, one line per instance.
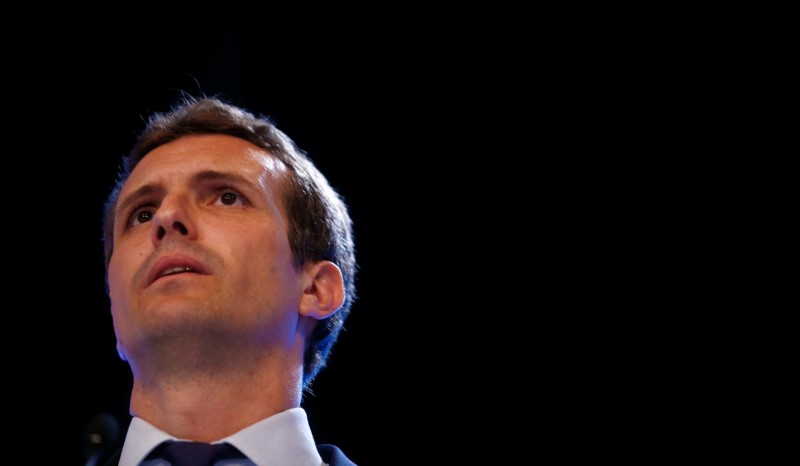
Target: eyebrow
column 143, row 191
column 205, row 175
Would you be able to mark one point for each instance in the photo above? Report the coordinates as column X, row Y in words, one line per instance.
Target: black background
column 518, row 225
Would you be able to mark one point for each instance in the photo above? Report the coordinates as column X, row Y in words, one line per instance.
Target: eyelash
column 220, row 192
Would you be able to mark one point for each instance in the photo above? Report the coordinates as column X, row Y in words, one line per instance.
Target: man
column 230, row 269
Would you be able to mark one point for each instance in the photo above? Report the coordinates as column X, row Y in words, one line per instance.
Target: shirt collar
column 282, row 439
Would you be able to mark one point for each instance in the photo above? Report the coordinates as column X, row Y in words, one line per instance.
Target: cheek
column 113, row 276
column 120, row 274
column 259, row 264
column 268, row 261
column 118, row 297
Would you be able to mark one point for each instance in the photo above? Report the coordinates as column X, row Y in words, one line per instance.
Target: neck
column 213, row 397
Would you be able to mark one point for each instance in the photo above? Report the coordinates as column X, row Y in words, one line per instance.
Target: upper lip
column 165, row 264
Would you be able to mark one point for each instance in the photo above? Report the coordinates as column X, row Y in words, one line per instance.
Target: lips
column 174, row 264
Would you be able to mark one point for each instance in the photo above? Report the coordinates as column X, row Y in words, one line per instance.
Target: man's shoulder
column 112, row 460
column 333, row 455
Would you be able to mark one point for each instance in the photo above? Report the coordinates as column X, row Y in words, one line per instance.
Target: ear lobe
column 323, row 294
column 121, row 352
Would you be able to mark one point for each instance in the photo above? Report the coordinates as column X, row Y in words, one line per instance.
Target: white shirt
column 281, row 440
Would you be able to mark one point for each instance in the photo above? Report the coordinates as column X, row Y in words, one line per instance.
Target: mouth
column 174, row 265
column 174, row 271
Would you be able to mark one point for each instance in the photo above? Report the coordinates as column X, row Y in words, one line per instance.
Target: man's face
column 201, row 248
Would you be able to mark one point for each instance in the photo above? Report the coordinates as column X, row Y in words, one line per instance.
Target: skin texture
column 227, row 335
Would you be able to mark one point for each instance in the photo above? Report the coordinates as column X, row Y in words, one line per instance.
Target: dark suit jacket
column 331, row 454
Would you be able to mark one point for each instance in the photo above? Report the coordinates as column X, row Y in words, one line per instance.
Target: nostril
column 181, row 228
column 161, row 232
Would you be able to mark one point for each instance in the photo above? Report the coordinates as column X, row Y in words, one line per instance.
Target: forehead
column 189, row 155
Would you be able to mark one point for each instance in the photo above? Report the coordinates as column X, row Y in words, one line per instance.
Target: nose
column 173, row 218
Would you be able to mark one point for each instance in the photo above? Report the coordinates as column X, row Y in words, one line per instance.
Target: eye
column 231, row 198
column 140, row 216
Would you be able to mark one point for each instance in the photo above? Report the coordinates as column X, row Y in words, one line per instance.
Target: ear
column 323, row 290
column 121, row 351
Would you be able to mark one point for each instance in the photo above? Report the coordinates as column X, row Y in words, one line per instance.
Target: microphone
column 102, row 437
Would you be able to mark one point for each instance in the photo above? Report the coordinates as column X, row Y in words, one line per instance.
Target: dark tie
column 180, row 453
